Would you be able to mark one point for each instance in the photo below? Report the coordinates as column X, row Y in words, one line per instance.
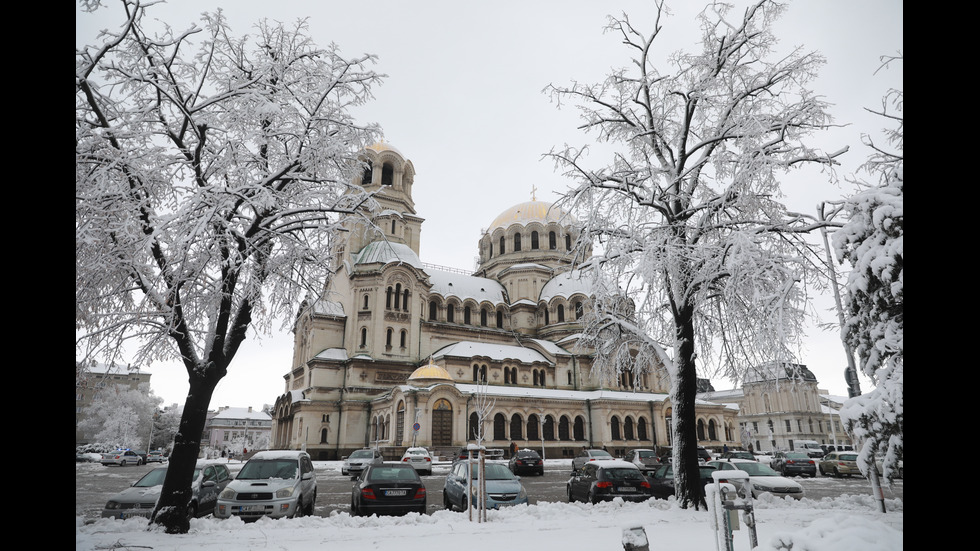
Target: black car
column 606, row 480
column 388, row 489
column 791, row 463
column 662, row 480
column 738, row 454
column 526, row 461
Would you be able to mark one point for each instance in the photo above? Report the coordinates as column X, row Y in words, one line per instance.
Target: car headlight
column 762, row 487
column 285, row 492
column 112, row 505
column 227, row 493
column 522, row 494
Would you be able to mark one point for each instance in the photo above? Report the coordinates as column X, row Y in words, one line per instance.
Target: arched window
column 405, row 299
column 398, row 295
column 323, row 436
column 561, row 313
column 388, row 298
column 363, row 337
column 474, row 426
column 700, row 429
column 392, row 227
column 628, row 429
column 483, row 317
column 502, row 251
column 552, row 241
column 500, row 319
column 404, row 338
column 367, row 175
column 432, row 309
column 534, row 375
column 499, row 424
column 466, row 315
column 534, row 241
column 614, row 428
column 568, row 242
column 563, row 428
column 549, row 428
column 711, row 430
column 532, row 427
column 516, row 428
column 641, row 429
column 387, row 175
column 579, row 429
column 578, row 310
column 365, row 302
column 450, row 312
column 506, row 376
column 476, row 372
column 517, row 242
column 491, row 251
column 483, row 373
column 388, row 337
column 546, row 316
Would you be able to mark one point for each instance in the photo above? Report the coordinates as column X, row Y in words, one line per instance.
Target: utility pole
column 850, row 373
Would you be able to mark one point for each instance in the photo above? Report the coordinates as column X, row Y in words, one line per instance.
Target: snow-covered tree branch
column 699, row 263
column 210, row 171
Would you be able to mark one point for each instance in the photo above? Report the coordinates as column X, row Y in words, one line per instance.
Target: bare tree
column 698, row 262
column 210, row 172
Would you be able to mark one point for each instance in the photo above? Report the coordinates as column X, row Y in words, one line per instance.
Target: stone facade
column 393, row 344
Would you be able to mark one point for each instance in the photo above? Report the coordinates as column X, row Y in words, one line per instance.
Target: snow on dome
column 531, row 211
column 566, row 284
column 383, row 146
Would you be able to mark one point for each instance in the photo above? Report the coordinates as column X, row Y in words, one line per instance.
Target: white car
column 419, row 458
column 763, row 478
column 274, row 483
column 122, row 458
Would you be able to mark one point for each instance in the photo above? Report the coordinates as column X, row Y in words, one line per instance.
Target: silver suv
column 275, row 484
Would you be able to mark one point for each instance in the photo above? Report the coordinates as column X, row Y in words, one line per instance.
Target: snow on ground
column 848, row 523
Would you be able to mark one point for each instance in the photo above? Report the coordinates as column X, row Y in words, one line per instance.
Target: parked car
column 794, row 463
column 901, row 467
column 839, row 464
column 503, row 487
column 419, row 458
column 139, row 499
column 357, row 461
column 809, row 447
column 155, row 457
column 738, row 454
column 586, row 456
column 662, row 480
column 645, row 460
column 606, row 480
column 273, row 483
column 763, row 478
column 388, row 489
column 666, row 455
column 122, row 458
column 526, row 461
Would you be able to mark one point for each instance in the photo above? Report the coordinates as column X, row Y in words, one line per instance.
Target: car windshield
column 848, row 457
column 623, row 474
column 417, row 452
column 494, row 471
column 392, row 474
column 527, row 453
column 156, row 476
column 362, row 454
column 647, row 455
column 599, row 453
column 797, row 456
column 755, row 469
column 258, row 469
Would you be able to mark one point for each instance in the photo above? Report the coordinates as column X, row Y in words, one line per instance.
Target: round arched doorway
column 442, row 424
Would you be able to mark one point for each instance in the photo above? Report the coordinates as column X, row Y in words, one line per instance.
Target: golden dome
column 428, row 374
column 378, row 147
column 530, row 211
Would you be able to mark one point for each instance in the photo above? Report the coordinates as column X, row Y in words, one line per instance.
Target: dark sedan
column 662, row 480
column 606, row 480
column 388, row 489
column 526, row 461
column 794, row 463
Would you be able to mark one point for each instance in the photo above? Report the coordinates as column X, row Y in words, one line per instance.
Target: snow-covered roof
column 566, row 284
column 328, row 308
column 497, row 352
column 242, row 413
column 556, row 394
column 464, row 287
column 114, row 369
column 778, row 372
column 385, row 252
column 296, row 396
column 339, row 354
column 552, row 348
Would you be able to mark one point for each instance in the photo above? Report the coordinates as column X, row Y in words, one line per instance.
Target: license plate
column 247, row 508
column 393, row 493
column 627, row 489
column 131, row 515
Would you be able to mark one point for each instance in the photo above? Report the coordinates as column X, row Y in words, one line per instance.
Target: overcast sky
column 463, row 101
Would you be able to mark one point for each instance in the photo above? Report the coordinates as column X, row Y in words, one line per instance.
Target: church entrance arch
column 442, row 424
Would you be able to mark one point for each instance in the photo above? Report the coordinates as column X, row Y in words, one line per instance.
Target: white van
column 810, row 447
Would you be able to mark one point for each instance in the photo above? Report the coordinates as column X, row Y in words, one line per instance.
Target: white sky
column 463, row 101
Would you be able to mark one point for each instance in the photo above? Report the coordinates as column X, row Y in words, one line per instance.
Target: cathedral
column 397, row 353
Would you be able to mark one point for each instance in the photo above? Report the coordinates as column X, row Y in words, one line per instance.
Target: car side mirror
column 208, row 484
column 307, row 475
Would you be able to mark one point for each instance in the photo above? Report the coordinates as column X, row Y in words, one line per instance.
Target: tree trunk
column 687, row 483
column 171, row 509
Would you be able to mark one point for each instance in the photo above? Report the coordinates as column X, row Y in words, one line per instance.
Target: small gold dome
column 530, row 211
column 428, row 374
